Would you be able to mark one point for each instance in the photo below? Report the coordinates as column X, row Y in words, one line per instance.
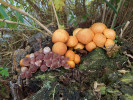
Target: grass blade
column 19, row 17
column 3, row 12
column 111, row 6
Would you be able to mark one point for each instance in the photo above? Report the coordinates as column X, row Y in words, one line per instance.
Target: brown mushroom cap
column 85, row 35
column 59, row 48
column 99, row 40
column 72, row 41
column 60, row 35
column 98, row 27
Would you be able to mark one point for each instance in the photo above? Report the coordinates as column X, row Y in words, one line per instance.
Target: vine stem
column 55, row 14
column 12, row 22
column 26, row 14
column 115, row 16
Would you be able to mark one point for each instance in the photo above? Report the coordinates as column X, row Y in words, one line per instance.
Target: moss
column 4, row 90
column 128, row 97
column 127, row 78
column 96, row 59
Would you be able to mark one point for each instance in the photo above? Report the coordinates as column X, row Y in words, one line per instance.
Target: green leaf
column 59, row 4
column 31, row 21
column 102, row 90
column 19, row 16
column 111, row 6
column 4, row 72
column 11, row 1
column 3, row 12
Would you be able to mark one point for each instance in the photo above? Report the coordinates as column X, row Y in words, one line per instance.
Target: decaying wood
column 16, row 91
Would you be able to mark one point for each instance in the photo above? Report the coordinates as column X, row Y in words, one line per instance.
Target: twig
column 8, row 29
column 15, row 91
column 114, row 19
column 12, row 22
column 104, row 12
column 129, row 55
column 55, row 14
column 122, row 30
column 54, row 90
column 26, row 14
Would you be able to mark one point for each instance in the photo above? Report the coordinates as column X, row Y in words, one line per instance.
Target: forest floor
column 102, row 74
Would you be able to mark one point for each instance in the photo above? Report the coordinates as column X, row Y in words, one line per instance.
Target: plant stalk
column 55, row 14
column 103, row 17
column 12, row 22
column 115, row 16
column 26, row 14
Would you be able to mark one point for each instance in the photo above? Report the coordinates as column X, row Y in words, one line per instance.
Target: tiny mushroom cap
column 99, row 40
column 26, row 61
column 60, row 35
column 46, row 50
column 90, row 46
column 109, row 33
column 76, row 31
column 98, row 27
column 71, row 63
column 28, row 55
column 70, row 54
column 21, row 63
column 59, row 48
column 79, row 46
column 85, row 35
column 72, row 41
column 24, row 69
column 32, row 55
column 109, row 42
column 77, row 59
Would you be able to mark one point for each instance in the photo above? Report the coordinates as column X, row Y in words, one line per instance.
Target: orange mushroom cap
column 72, row 41
column 99, row 40
column 77, row 59
column 109, row 33
column 109, row 42
column 71, row 64
column 90, row 46
column 59, row 48
column 70, row 54
column 60, row 35
column 27, row 55
column 85, row 35
column 98, row 27
column 21, row 63
column 76, row 31
column 79, row 45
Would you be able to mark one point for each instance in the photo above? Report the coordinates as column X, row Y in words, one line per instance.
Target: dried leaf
column 123, row 71
column 81, row 52
column 111, row 50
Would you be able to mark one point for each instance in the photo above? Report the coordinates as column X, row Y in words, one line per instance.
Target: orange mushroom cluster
column 98, row 35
